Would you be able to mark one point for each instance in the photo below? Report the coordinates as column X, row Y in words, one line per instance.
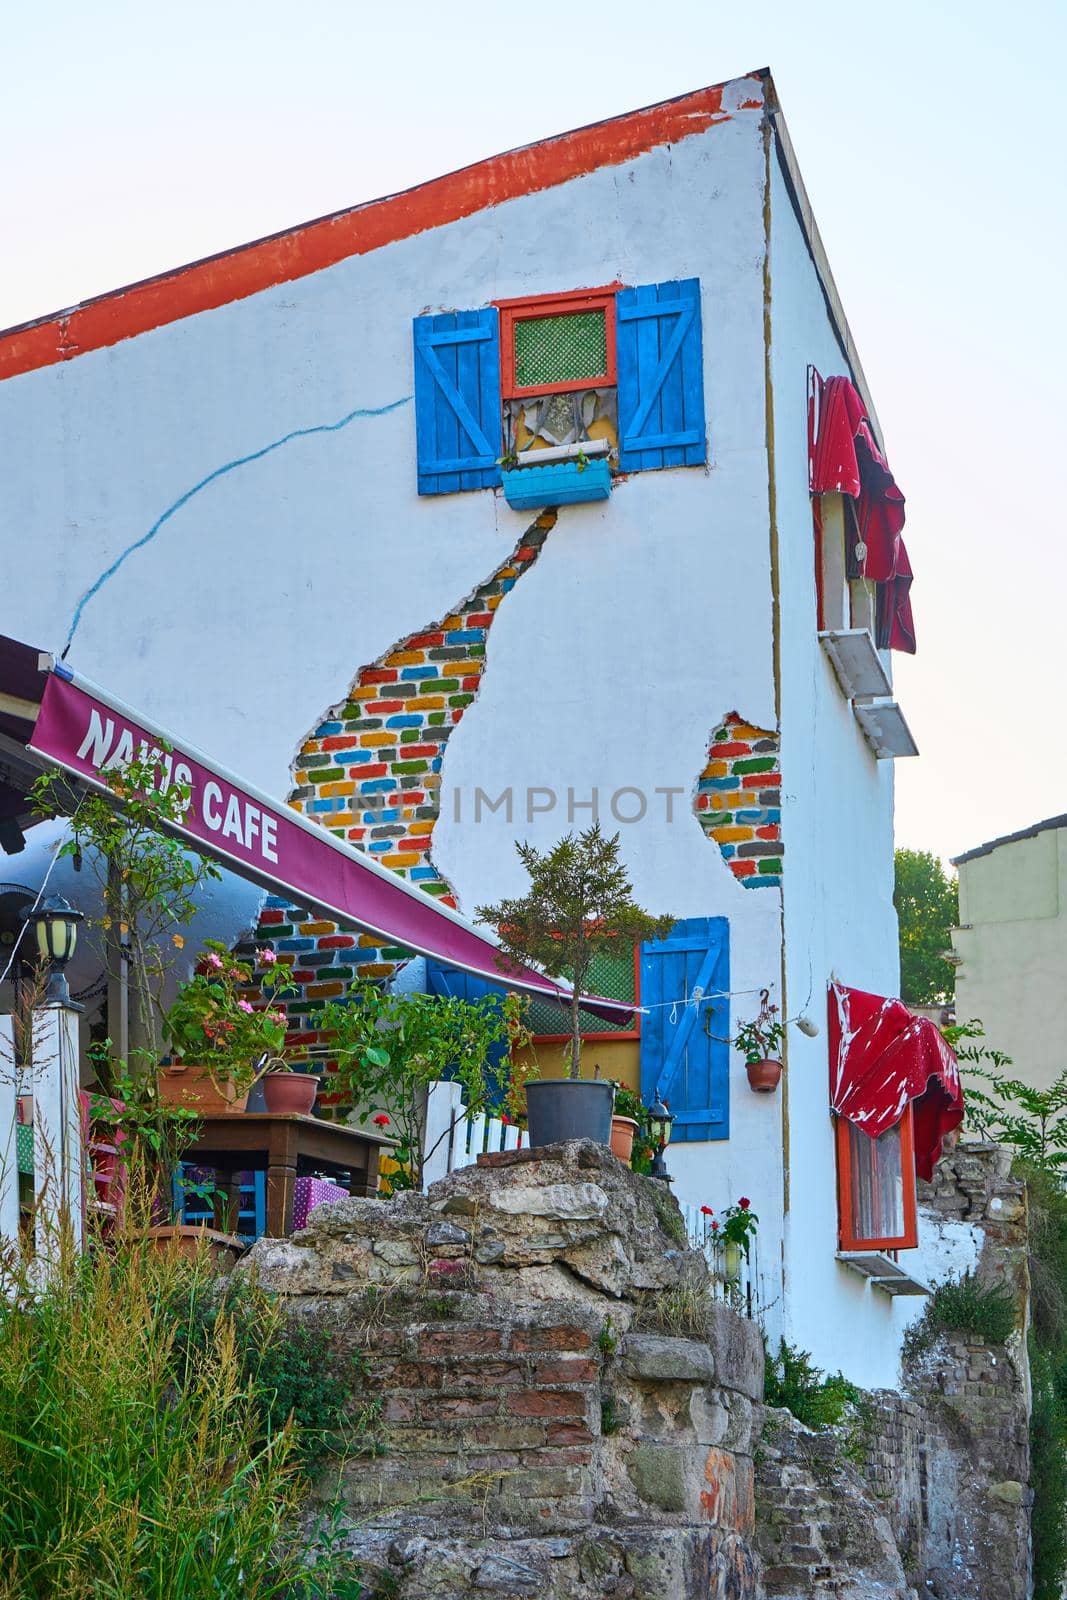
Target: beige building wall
column 1012, row 945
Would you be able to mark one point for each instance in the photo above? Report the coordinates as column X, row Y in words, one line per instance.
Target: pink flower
column 278, row 1016
column 706, row 1211
column 744, row 1202
column 214, row 961
column 266, row 957
column 243, row 1005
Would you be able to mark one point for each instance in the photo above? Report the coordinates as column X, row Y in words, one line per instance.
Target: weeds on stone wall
column 966, row 1306
column 817, row 1399
column 1048, row 1378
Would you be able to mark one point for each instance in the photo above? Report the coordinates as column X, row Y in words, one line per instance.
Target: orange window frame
column 604, row 1036
column 845, row 1197
column 527, row 307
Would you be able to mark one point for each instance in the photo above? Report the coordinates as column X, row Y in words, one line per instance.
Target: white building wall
column 838, row 814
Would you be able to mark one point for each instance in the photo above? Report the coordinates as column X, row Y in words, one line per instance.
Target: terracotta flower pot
column 622, row 1137
column 185, row 1083
column 763, row 1076
column 290, row 1092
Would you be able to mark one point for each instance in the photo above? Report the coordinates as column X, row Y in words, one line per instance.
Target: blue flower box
column 562, row 483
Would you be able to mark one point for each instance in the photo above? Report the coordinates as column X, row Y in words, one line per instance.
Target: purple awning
column 82, row 729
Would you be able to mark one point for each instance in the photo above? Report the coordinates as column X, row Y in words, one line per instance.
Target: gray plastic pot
column 569, row 1108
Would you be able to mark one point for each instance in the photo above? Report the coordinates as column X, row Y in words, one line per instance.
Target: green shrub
column 817, row 1399
column 146, row 1447
column 962, row 1305
column 1048, row 1475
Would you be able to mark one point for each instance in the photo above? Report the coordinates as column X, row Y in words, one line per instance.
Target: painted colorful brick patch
column 371, row 773
column 738, row 801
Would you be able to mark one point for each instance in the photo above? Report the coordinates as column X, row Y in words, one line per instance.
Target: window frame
column 527, row 308
column 604, row 1036
column 849, row 1240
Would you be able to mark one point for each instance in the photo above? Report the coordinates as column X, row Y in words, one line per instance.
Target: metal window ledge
column 884, row 1273
column 855, row 659
column 884, row 728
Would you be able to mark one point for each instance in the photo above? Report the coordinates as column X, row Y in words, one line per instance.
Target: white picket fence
column 454, row 1140
column 58, row 1177
column 743, row 1292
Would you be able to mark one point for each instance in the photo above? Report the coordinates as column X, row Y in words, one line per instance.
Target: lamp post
column 54, row 924
column 660, row 1120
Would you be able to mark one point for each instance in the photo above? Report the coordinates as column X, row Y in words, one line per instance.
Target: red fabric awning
column 882, row 1056
column 845, row 459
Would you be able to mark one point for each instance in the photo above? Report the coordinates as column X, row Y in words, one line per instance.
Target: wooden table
column 283, row 1145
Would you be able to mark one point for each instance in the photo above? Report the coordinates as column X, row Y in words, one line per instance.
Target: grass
column 683, row 1311
column 817, row 1399
column 156, row 1437
column 962, row 1305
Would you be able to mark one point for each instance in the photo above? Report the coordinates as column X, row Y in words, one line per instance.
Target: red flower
column 744, row 1203
column 706, row 1211
column 381, row 1120
column 715, row 1227
column 505, row 1119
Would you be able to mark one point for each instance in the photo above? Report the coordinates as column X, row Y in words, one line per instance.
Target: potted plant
column 629, row 1120
column 226, row 1043
column 730, row 1237
column 579, row 905
column 759, row 1041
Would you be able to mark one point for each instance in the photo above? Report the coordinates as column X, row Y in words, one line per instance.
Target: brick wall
column 371, row 773
column 738, row 801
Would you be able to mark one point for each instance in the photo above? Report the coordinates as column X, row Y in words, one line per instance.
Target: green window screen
column 560, row 349
column 612, row 976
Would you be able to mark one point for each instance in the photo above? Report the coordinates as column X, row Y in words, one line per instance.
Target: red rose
column 715, row 1227
column 706, row 1211
column 381, row 1120
column 744, row 1203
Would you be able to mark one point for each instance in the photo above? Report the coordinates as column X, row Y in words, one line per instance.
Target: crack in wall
column 370, row 771
column 219, row 472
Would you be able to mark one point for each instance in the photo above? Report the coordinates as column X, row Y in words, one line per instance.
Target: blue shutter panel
column 457, row 400
column 684, row 1055
column 660, row 376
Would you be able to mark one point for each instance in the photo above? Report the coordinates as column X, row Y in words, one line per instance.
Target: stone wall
column 930, row 1495
column 565, row 1410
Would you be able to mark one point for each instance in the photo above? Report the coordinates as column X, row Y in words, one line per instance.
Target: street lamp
column 55, row 930
column 660, row 1120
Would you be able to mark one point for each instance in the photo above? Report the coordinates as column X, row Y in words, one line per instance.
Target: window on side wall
column 876, row 1187
column 558, row 371
column 616, row 977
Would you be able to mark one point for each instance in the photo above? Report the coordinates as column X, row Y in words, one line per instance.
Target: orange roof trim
column 248, row 269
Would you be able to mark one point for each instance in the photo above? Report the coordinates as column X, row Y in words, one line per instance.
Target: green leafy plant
column 392, row 1047
column 149, row 1132
column 760, row 1039
column 962, row 1305
column 927, row 905
column 1032, row 1121
column 579, row 905
column 148, row 882
column 817, row 1399
column 740, row 1224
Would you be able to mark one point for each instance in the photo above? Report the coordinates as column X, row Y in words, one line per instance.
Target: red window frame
column 527, row 307
column 849, row 1240
column 604, row 1036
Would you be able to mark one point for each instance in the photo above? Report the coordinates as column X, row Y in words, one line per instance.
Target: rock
column 1010, row 1492
column 658, row 1474
column 655, row 1356
column 564, row 1202
column 440, row 1234
column 737, row 1347
column 503, row 1573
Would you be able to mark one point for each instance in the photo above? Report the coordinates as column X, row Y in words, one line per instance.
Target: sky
column 139, row 137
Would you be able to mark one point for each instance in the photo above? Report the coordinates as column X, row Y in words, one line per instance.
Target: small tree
column 927, row 905
column 579, row 905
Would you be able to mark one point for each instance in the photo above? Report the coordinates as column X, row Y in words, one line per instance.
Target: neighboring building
column 1011, row 946
column 263, row 496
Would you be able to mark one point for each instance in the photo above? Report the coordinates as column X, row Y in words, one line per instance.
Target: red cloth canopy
column 845, row 459
column 882, row 1056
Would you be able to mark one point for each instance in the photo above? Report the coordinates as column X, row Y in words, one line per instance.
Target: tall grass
column 140, row 1454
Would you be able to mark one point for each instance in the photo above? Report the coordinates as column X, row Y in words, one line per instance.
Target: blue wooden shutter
column 684, row 1055
column 661, row 376
column 457, row 400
